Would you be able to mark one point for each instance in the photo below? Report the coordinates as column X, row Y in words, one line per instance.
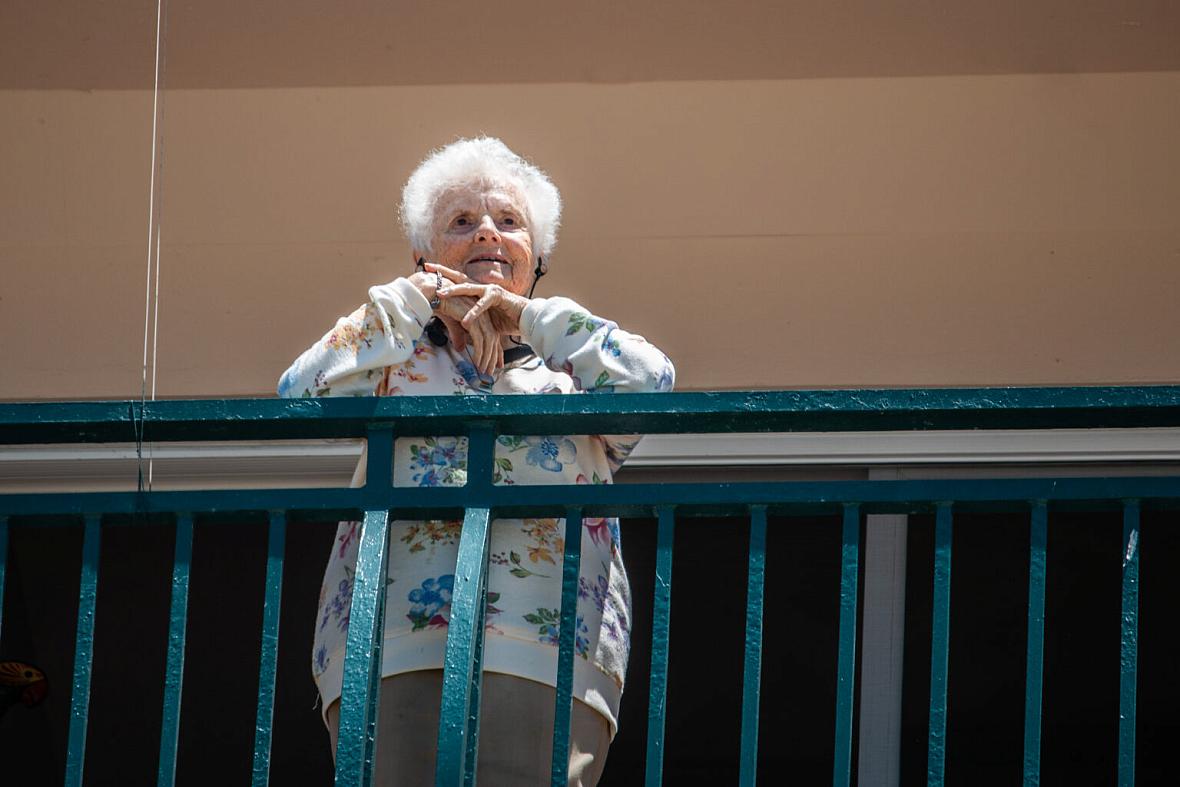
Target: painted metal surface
column 571, row 562
column 661, row 618
column 375, row 665
column 475, row 685
column 463, row 661
column 686, row 413
column 3, row 565
column 459, row 703
column 368, row 585
column 752, row 665
column 83, row 652
column 1033, row 681
column 268, row 659
column 174, row 668
column 846, row 659
column 1129, row 645
column 379, row 475
column 482, row 418
column 939, row 647
column 635, row 500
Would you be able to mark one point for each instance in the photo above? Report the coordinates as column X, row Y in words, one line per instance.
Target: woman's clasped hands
column 476, row 315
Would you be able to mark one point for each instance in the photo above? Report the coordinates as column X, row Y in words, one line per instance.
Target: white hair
column 483, row 162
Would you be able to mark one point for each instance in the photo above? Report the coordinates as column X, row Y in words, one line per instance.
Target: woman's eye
column 508, row 220
column 461, row 221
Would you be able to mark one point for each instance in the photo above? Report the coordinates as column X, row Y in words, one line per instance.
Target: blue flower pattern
column 667, row 377
column 320, row 663
column 428, row 602
column 596, row 592
column 550, row 453
column 340, row 606
column 548, row 622
column 439, row 462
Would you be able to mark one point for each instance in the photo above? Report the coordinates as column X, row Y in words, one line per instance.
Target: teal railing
column 481, row 419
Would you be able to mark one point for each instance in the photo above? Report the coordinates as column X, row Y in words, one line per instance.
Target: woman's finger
column 479, row 351
column 455, row 332
column 479, row 330
column 469, row 289
column 468, row 310
column 491, row 346
column 476, row 348
column 456, row 308
column 487, row 301
column 453, row 275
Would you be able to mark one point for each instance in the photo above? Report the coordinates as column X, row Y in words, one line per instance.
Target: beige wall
column 773, row 233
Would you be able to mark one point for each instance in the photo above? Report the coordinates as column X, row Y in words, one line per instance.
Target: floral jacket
column 380, row 350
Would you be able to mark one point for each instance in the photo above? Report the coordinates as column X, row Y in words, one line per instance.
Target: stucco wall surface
column 954, row 230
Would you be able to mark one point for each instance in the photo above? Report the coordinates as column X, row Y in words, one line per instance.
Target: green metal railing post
column 268, row 658
column 458, row 729
column 360, row 692
column 480, row 460
column 1038, row 538
column 3, row 564
column 83, row 652
column 657, row 705
column 567, row 634
column 846, row 660
column 174, row 669
column 378, row 480
column 368, row 583
column 376, row 661
column 752, row 667
column 475, row 687
column 1129, row 644
column 460, row 678
column 939, row 646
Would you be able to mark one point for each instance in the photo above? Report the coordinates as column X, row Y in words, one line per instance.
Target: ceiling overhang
column 81, row 44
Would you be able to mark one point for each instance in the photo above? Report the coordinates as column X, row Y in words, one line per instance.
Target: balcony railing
column 481, row 419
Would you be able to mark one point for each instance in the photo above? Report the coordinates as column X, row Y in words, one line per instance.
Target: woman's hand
column 477, row 314
column 503, row 307
column 486, row 352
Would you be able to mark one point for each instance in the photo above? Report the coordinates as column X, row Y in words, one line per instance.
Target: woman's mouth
column 487, row 263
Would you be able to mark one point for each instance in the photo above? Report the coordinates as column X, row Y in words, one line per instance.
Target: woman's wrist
column 514, row 308
column 427, row 284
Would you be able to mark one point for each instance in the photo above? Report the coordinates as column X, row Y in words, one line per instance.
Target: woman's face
column 482, row 232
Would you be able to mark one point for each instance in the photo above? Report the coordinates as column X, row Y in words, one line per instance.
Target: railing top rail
column 683, row 413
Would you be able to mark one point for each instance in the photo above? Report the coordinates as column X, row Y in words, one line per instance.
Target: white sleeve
column 350, row 358
column 598, row 355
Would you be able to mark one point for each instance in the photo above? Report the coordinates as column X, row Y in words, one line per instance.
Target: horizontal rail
column 795, row 497
column 684, row 413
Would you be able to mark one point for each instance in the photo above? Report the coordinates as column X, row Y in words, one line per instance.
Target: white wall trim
column 905, row 448
column 330, row 462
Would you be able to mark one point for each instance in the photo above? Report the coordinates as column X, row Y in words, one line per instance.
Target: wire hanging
column 151, row 296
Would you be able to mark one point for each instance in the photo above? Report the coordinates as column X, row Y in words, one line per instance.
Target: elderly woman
column 482, row 223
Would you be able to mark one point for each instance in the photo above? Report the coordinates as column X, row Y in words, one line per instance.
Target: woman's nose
column 486, row 230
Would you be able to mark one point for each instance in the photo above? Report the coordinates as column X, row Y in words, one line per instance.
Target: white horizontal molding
column 905, row 448
column 330, row 462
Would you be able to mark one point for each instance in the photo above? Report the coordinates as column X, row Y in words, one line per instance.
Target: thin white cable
column 151, row 296
column 155, row 346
